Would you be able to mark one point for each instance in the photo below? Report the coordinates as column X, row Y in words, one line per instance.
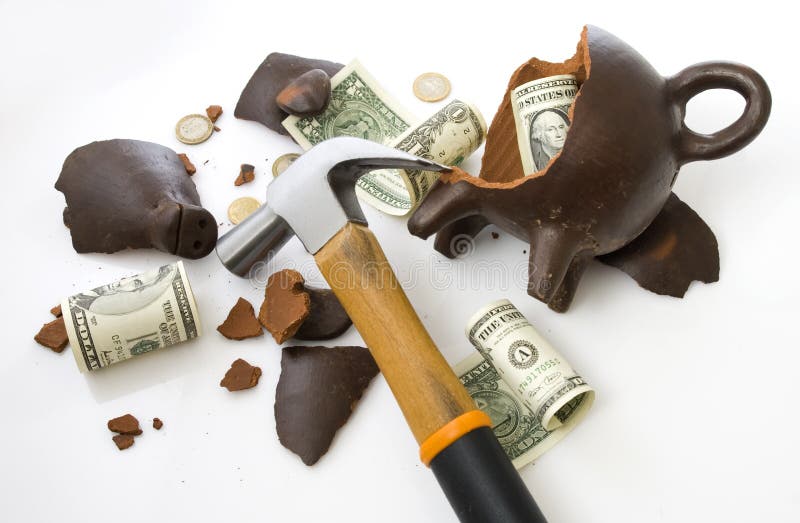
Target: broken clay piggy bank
column 128, row 194
column 608, row 193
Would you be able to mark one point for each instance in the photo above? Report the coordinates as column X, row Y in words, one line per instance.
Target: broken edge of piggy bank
column 125, row 194
column 625, row 146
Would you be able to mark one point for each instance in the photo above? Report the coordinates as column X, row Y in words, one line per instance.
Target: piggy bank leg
column 555, row 254
column 450, row 239
column 566, row 291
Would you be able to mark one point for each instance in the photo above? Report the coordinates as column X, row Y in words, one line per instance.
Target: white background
column 695, row 418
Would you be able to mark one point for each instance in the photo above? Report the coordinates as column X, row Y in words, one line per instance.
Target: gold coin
column 283, row 162
column 241, row 208
column 431, row 87
column 194, row 128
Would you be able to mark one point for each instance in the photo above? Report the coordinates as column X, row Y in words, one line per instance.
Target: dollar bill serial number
column 536, row 372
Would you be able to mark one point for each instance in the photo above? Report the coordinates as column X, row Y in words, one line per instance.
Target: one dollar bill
column 132, row 316
column 360, row 107
column 518, row 373
column 541, row 109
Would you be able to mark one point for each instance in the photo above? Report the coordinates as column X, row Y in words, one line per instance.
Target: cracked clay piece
column 258, row 99
column 318, row 389
column 286, row 304
column 307, row 95
column 241, row 376
column 123, row 441
column 327, row 318
column 611, row 184
column 130, row 194
column 127, row 424
column 53, row 335
column 241, row 322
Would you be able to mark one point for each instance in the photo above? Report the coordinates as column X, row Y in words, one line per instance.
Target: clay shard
column 126, row 424
column 123, row 441
column 56, row 311
column 157, row 423
column 187, row 164
column 258, row 99
column 327, row 318
column 675, row 250
column 318, row 390
column 247, row 173
column 286, row 304
column 241, row 322
column 214, row 112
column 125, row 194
column 241, row 376
column 611, row 180
column 306, row 95
column 53, row 335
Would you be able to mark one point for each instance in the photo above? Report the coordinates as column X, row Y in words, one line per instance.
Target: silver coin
column 431, row 87
column 283, row 162
column 194, row 128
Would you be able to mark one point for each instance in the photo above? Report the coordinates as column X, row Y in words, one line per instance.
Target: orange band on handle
column 445, row 436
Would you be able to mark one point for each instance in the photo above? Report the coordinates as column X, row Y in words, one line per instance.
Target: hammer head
column 313, row 199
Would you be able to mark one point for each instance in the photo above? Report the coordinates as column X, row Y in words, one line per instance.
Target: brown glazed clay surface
column 276, row 72
column 613, row 177
column 307, row 95
column 327, row 318
column 318, row 389
column 125, row 194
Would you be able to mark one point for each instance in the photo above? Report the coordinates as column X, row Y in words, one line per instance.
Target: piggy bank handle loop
column 704, row 76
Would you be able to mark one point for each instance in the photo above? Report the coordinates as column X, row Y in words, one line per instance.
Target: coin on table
column 241, row 208
column 194, row 128
column 431, row 87
column 283, row 162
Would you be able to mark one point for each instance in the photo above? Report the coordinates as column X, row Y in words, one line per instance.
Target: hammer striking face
column 313, row 199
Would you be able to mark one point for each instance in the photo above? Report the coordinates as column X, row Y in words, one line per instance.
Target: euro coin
column 241, row 208
column 283, row 162
column 431, row 87
column 194, row 128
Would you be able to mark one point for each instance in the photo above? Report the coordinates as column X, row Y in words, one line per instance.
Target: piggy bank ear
column 676, row 249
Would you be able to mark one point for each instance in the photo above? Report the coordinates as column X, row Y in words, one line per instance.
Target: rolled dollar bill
column 541, row 378
column 131, row 316
column 541, row 109
column 360, row 107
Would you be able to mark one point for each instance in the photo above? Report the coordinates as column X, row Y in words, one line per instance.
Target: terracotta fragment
column 241, row 322
column 56, row 311
column 675, row 250
column 53, row 335
column 157, row 423
column 317, row 392
column 247, row 173
column 327, row 318
column 241, row 376
column 286, row 304
column 306, row 95
column 123, row 441
column 217, row 129
column 187, row 164
column 611, row 180
column 213, row 112
column 125, row 194
column 126, row 424
column 278, row 70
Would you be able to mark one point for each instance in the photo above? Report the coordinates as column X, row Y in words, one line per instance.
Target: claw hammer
column 315, row 200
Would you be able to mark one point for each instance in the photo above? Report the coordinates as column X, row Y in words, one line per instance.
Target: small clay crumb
column 187, row 164
column 247, row 173
column 217, row 129
column 495, row 235
column 306, row 95
column 56, row 311
column 213, row 112
column 126, row 424
column 53, row 335
column 157, row 423
column 240, row 376
column 123, row 441
column 241, row 322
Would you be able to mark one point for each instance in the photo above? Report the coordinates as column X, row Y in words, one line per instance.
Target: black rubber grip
column 481, row 484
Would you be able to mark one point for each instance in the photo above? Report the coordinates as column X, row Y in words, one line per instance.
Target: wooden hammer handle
column 428, row 392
